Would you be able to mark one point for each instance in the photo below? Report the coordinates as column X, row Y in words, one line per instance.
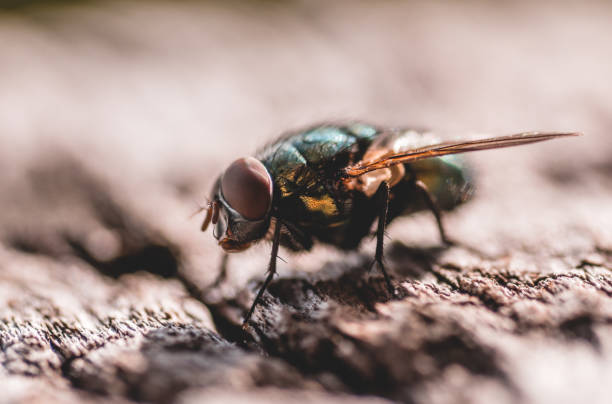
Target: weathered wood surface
column 115, row 119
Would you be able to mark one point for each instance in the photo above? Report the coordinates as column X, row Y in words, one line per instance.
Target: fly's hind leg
column 271, row 272
column 433, row 207
column 383, row 195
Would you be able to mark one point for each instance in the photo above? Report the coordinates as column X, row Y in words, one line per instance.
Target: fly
column 329, row 183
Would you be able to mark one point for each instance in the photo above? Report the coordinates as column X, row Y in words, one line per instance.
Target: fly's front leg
column 433, row 207
column 271, row 271
column 383, row 196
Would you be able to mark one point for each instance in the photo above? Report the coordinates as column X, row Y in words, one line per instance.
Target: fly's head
column 241, row 205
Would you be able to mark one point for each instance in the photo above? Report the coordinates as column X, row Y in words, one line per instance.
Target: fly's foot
column 390, row 287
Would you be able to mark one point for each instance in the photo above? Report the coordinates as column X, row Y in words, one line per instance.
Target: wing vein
column 446, row 148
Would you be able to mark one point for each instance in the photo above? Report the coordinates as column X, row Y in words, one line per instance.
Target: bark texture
column 116, row 118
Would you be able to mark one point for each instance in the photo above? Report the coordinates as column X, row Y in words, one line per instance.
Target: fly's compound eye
column 247, row 187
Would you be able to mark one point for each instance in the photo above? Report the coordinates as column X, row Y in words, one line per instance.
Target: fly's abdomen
column 448, row 178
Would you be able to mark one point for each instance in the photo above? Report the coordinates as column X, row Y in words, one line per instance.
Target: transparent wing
column 442, row 149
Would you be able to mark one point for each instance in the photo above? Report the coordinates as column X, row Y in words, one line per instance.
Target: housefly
column 329, row 183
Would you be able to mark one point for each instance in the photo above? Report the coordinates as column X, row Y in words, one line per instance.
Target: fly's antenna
column 212, row 214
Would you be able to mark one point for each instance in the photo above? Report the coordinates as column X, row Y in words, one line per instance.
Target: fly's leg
column 271, row 271
column 383, row 194
column 433, row 207
column 222, row 271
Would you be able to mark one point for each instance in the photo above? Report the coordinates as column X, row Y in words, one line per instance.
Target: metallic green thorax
column 305, row 169
column 302, row 167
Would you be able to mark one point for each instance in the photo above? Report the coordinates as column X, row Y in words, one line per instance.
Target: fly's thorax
column 304, row 168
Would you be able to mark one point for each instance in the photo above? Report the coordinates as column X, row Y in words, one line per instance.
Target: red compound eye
column 247, row 187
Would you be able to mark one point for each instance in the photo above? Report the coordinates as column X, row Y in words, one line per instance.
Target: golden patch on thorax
column 324, row 204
